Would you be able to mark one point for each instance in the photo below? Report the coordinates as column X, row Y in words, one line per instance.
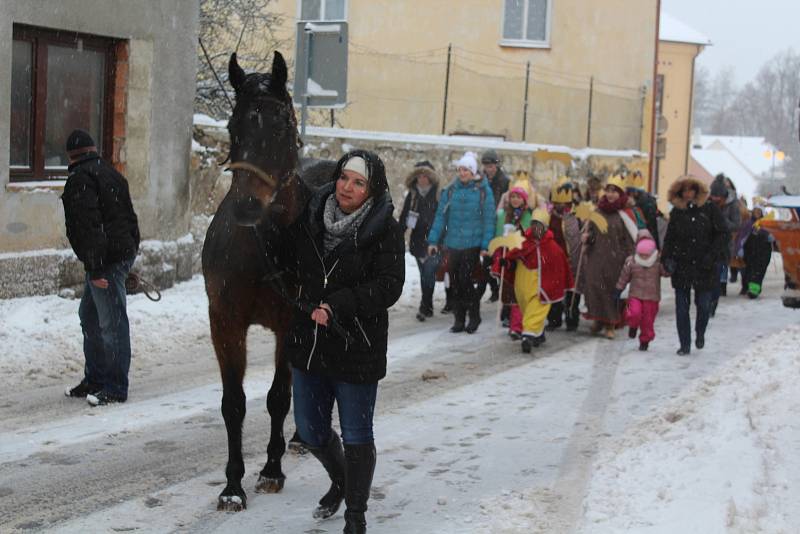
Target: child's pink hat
column 520, row 191
column 645, row 246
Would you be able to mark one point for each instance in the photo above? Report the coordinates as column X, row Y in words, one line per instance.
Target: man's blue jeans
column 106, row 333
column 313, row 397
column 702, row 300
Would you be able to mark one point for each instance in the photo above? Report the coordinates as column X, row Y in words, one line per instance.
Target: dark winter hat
column 80, row 142
column 424, row 163
column 490, row 156
column 718, row 187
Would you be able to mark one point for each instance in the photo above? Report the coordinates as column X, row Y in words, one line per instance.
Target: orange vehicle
column 787, row 234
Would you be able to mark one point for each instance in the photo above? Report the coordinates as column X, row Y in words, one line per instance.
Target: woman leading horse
column 350, row 259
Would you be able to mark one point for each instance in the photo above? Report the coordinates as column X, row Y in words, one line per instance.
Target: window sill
column 510, row 43
column 36, row 186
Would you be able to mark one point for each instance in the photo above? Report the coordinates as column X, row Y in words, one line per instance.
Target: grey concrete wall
column 162, row 37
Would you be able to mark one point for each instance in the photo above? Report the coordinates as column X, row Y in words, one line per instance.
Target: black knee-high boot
column 459, row 317
column 332, row 459
column 360, row 466
column 474, row 310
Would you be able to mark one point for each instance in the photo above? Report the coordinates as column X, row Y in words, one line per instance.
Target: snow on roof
column 444, row 140
column 673, row 30
column 749, row 151
column 717, row 161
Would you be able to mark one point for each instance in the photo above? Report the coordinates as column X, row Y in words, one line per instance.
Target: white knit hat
column 468, row 160
column 358, row 165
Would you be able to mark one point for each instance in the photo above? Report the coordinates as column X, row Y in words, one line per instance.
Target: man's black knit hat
column 80, row 142
column 424, row 163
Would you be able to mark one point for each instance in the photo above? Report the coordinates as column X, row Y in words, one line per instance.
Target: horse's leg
column 230, row 345
column 279, row 398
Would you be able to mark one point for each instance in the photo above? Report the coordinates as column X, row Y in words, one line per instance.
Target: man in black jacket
column 104, row 233
column 499, row 182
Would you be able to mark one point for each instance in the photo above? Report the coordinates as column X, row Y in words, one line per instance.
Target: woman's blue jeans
column 313, row 397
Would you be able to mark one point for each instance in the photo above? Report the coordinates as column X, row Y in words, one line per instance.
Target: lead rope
column 324, row 285
column 135, row 283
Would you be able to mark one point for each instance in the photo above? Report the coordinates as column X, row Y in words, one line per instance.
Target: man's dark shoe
column 631, row 332
column 102, row 398
column 538, row 341
column 495, row 296
column 81, row 390
column 723, row 289
column 420, row 317
column 448, row 308
column 700, row 342
column 683, row 352
column 552, row 326
column 643, row 346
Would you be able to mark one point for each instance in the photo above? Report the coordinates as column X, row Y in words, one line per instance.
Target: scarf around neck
column 646, row 262
column 423, row 191
column 340, row 225
column 610, row 207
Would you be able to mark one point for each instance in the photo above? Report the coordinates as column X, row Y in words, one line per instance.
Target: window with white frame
column 322, row 9
column 526, row 22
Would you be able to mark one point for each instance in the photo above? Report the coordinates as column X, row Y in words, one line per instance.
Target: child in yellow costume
column 542, row 277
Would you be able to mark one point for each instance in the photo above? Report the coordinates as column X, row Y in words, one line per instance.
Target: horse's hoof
column 297, row 447
column 269, row 485
column 231, row 503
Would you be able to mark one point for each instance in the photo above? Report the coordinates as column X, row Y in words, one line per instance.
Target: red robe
column 555, row 275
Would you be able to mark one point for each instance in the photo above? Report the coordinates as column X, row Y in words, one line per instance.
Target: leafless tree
column 248, row 27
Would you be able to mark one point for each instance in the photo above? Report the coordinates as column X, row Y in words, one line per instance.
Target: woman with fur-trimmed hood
column 419, row 210
column 695, row 242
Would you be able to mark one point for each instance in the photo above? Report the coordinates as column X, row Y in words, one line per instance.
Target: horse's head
column 263, row 136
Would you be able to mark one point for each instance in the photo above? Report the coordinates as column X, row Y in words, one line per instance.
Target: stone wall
column 44, row 272
column 210, row 182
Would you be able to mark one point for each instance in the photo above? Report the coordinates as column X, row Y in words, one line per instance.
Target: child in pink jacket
column 643, row 271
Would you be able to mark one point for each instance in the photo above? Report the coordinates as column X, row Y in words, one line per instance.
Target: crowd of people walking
column 596, row 253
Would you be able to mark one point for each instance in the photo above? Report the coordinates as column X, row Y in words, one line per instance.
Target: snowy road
column 452, row 452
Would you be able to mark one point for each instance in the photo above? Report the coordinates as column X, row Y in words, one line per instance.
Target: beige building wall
column 676, row 64
column 398, row 63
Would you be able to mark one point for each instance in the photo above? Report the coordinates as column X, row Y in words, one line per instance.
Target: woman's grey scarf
column 340, row 225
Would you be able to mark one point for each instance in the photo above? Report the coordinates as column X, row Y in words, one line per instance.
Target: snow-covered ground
column 586, row 435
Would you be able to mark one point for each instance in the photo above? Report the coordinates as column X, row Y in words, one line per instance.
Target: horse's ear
column 236, row 74
column 279, row 74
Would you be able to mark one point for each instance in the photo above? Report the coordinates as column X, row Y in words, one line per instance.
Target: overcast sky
column 744, row 33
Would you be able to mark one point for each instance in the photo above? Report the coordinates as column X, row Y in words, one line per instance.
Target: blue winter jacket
column 463, row 218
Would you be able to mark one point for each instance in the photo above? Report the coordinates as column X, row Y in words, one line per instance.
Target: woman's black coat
column 360, row 279
column 426, row 206
column 695, row 241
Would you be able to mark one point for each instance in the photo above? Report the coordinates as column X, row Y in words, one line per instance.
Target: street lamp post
column 773, row 155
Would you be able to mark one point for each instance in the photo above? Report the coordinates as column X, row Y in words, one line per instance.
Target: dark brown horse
column 246, row 278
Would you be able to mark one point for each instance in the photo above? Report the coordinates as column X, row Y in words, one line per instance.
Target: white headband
column 358, row 165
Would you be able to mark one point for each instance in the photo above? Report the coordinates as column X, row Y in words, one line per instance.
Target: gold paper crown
column 541, row 215
column 635, row 180
column 562, row 191
column 617, row 181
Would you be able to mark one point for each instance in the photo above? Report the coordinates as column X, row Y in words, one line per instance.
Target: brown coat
column 604, row 256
